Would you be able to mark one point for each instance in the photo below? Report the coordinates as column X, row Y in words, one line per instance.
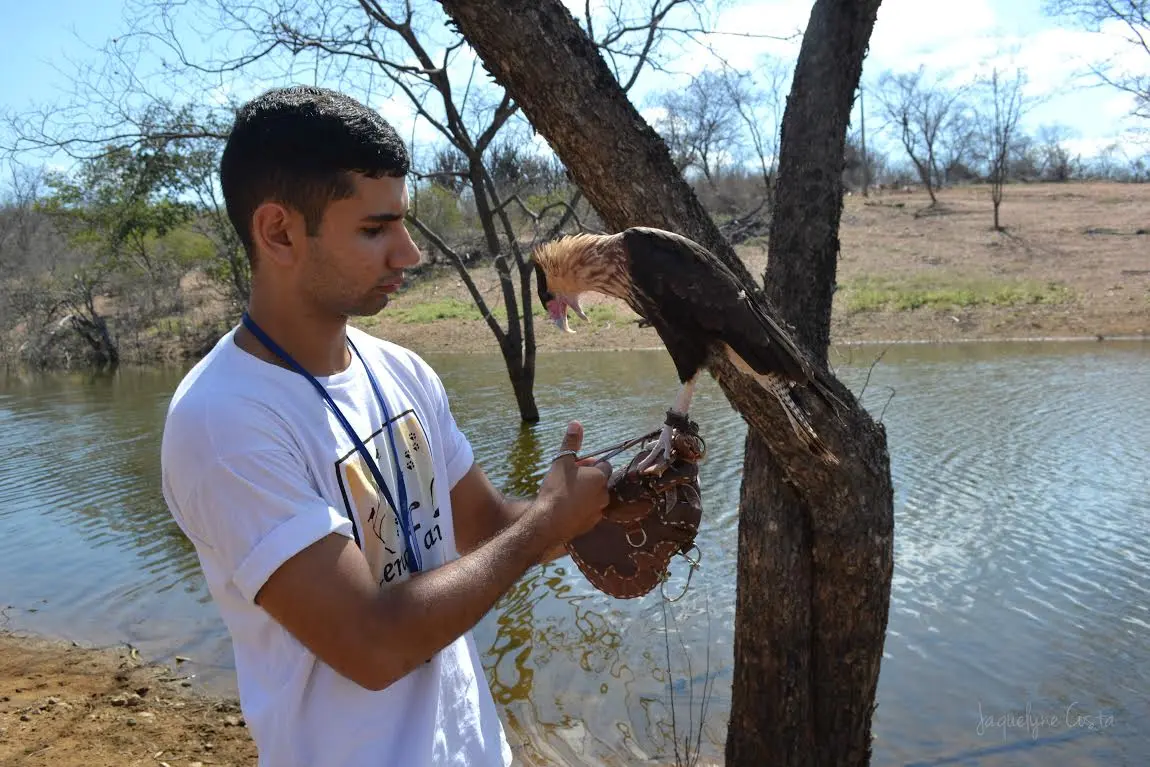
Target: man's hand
column 573, row 494
column 480, row 511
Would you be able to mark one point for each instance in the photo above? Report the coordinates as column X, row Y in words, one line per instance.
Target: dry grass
column 1073, row 261
column 1070, row 262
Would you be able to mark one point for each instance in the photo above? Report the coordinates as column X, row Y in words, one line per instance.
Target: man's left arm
column 480, row 511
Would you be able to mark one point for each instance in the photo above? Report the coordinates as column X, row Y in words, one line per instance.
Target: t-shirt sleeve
column 255, row 511
column 249, row 510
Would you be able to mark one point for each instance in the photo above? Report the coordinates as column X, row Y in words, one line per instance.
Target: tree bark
column 815, row 541
column 523, row 384
column 843, row 561
column 804, row 246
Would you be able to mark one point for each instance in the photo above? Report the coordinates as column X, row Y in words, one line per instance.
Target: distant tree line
column 94, row 265
column 130, row 256
column 482, row 193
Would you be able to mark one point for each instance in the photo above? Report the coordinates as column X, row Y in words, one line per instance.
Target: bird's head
column 557, row 304
column 568, row 267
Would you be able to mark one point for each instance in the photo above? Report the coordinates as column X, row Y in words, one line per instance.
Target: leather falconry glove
column 649, row 518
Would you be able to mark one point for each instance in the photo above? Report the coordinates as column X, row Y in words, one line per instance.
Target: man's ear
column 275, row 228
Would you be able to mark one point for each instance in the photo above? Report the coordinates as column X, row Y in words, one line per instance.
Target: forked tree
column 815, row 542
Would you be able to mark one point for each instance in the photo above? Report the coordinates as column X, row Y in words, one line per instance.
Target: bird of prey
column 700, row 309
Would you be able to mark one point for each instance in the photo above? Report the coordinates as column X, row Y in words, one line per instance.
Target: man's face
column 356, row 260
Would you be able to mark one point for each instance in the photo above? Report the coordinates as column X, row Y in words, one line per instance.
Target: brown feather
column 586, row 262
column 693, row 300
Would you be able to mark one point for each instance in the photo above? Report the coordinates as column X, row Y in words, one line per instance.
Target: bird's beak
column 557, row 310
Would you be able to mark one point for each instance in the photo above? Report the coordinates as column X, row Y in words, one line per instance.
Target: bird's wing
column 683, row 276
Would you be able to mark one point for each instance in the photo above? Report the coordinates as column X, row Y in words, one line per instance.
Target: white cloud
column 918, row 30
column 1090, row 147
column 770, row 19
column 653, row 113
column 961, row 41
column 957, row 40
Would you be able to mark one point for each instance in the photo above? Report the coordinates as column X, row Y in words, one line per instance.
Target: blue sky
column 956, row 36
column 40, row 35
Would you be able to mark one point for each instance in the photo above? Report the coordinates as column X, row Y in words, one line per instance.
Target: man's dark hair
column 296, row 146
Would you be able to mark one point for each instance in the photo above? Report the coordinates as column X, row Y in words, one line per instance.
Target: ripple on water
column 1022, row 553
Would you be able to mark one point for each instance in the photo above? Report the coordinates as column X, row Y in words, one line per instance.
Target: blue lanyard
column 414, row 560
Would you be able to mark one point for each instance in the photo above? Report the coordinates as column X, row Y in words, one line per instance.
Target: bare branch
column 502, row 113
column 464, row 274
column 870, row 370
column 652, row 31
column 1134, row 17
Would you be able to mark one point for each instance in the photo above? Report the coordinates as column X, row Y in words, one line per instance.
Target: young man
column 344, row 531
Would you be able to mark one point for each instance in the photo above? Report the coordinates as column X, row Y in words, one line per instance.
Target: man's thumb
column 573, row 439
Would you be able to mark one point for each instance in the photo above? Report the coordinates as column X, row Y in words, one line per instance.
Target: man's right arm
column 326, row 597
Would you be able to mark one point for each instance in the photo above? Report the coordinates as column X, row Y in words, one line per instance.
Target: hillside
column 1074, row 261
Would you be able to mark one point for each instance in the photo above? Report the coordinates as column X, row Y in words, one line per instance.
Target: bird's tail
column 798, row 419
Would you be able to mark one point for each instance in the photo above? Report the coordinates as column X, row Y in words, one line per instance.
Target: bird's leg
column 660, row 455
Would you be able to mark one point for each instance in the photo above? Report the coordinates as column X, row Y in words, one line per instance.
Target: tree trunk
column 527, row 407
column 94, row 331
column 997, row 178
column 924, row 174
column 523, row 385
column 843, row 561
column 482, row 204
column 804, row 246
column 815, row 556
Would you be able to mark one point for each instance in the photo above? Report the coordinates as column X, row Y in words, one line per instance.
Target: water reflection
column 1021, row 554
column 524, row 464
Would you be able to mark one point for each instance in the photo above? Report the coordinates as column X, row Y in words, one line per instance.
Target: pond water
column 1019, row 629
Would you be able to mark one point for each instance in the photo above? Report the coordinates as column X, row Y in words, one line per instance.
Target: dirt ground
column 69, row 706
column 1092, row 239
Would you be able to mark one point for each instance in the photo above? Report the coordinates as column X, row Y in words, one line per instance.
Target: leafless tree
column 1057, row 163
column 20, row 223
column 1001, row 110
column 723, row 130
column 1114, row 162
column 402, row 52
column 1131, row 19
column 919, row 114
column 759, row 97
column 857, row 170
column 958, row 148
column 701, row 124
column 26, row 237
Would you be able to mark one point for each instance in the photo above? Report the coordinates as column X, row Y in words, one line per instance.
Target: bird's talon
column 657, row 461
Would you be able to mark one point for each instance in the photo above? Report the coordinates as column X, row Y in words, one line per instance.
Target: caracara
column 698, row 306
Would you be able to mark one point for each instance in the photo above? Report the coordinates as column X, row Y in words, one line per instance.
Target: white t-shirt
column 256, row 467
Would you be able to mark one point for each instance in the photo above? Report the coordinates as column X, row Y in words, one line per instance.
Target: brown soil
column 62, row 705
column 1094, row 239
column 1090, row 239
column 68, row 706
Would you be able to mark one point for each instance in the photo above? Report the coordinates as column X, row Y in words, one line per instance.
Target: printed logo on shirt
column 377, row 522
